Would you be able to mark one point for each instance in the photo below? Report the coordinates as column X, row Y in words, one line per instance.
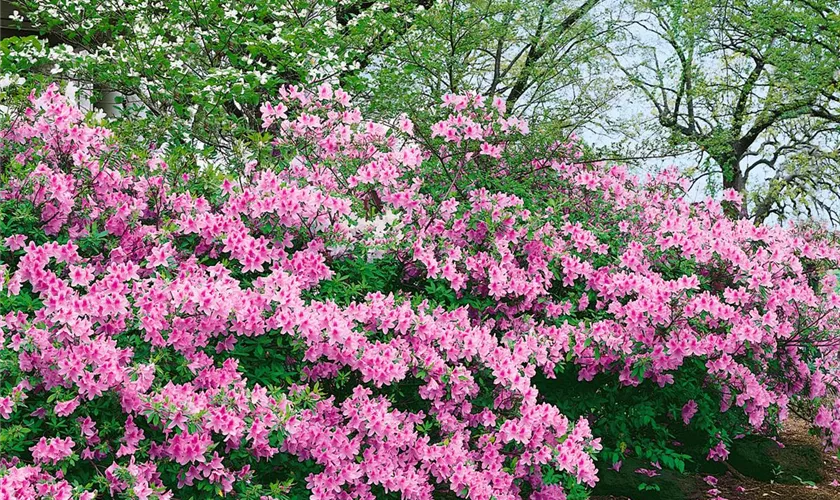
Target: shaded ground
column 758, row 469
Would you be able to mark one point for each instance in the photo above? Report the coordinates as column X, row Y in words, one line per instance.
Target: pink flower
column 732, row 196
column 325, row 92
column 80, row 276
column 132, row 437
column 718, row 453
column 499, row 104
column 647, row 472
column 6, row 407
column 688, row 411
column 66, row 408
column 187, row 448
column 160, row 255
column 15, row 242
column 52, row 450
column 406, row 126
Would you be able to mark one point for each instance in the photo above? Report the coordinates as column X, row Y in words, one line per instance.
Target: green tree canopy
column 753, row 84
column 542, row 58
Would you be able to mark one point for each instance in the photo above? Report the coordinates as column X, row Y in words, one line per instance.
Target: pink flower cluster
column 52, row 450
column 188, row 277
column 26, row 482
column 180, row 306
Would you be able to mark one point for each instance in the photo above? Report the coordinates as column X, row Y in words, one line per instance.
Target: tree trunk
column 733, row 178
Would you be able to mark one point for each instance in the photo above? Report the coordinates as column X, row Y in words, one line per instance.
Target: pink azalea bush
column 26, row 481
column 368, row 309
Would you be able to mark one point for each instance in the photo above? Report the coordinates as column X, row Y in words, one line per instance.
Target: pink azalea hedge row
column 147, row 285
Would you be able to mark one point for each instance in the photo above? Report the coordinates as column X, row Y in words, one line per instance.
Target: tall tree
column 541, row 57
column 753, row 84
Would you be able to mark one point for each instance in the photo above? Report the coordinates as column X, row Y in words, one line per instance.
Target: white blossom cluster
column 199, row 68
